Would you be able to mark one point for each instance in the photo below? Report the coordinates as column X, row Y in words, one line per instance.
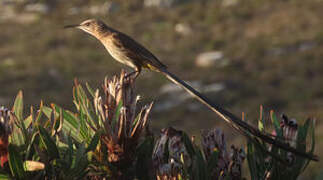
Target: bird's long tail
column 234, row 121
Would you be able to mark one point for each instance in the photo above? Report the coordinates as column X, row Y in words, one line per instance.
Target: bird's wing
column 136, row 51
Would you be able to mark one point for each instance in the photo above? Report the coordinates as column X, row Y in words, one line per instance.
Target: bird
column 121, row 47
column 128, row 51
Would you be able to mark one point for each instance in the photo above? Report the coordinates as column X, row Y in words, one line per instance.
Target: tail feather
column 230, row 118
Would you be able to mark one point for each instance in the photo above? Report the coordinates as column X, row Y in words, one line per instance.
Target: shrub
column 109, row 137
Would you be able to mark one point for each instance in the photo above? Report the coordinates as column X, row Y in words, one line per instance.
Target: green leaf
column 83, row 126
column 39, row 114
column 49, row 143
column 47, row 111
column 80, row 154
column 90, row 90
column 70, row 123
column 94, row 141
column 80, row 162
column 15, row 163
column 212, row 162
column 104, row 151
column 17, row 137
column 276, row 124
column 137, row 119
column 87, row 109
column 258, row 158
column 144, row 153
column 261, row 121
column 18, row 111
column 82, row 94
column 81, row 102
column 252, row 163
column 313, row 143
column 70, row 151
column 180, row 177
column 28, row 121
column 18, row 106
column 30, row 145
column 4, row 177
column 199, row 168
column 313, row 136
column 91, row 117
column 188, row 144
column 116, row 115
column 56, row 121
column 301, row 136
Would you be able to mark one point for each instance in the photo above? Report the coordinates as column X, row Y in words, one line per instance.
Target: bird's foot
column 129, row 75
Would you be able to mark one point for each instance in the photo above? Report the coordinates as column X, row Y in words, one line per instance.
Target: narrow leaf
column 33, row 166
column 188, row 144
column 48, row 142
column 94, row 142
column 15, row 163
column 18, row 106
column 261, row 121
column 116, row 115
column 91, row 91
column 276, row 124
column 4, row 177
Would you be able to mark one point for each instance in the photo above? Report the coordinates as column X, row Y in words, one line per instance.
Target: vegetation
column 273, row 51
column 109, row 137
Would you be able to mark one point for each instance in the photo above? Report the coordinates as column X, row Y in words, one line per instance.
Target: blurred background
column 240, row 53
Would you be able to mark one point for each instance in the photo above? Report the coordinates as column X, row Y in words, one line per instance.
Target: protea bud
column 212, row 141
column 237, row 157
column 170, row 155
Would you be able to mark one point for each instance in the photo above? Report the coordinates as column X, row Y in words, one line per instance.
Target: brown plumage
column 127, row 51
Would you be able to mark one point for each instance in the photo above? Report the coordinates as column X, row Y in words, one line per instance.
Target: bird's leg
column 130, row 74
column 135, row 73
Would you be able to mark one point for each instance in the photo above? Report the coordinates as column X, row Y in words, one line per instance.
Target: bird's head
column 94, row 27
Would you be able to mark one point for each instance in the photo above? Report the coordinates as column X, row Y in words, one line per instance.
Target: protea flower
column 123, row 127
column 6, row 118
column 289, row 127
column 290, row 131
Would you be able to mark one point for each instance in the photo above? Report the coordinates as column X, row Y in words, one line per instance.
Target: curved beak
column 72, row 26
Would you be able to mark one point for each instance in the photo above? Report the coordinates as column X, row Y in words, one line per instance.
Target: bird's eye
column 87, row 24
